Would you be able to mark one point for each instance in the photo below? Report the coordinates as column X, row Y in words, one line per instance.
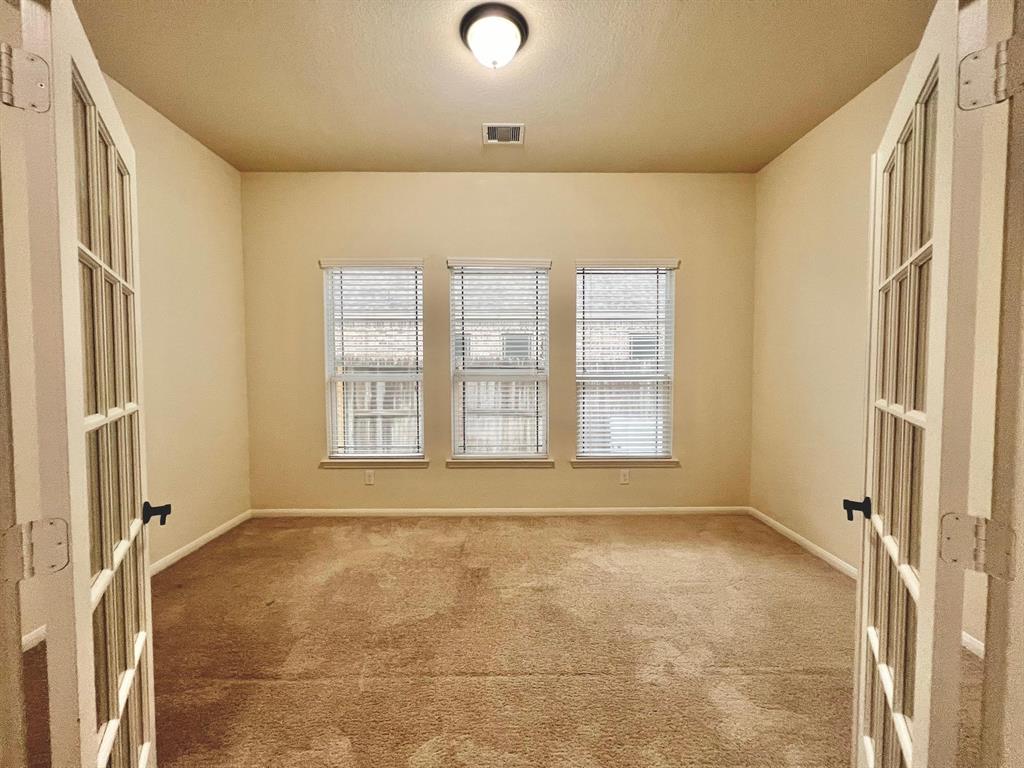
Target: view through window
column 374, row 319
column 499, row 333
column 624, row 325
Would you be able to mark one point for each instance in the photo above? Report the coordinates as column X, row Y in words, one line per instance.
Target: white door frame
column 13, row 242
column 28, row 337
column 1003, row 698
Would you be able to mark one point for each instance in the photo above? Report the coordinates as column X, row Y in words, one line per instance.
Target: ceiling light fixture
column 494, row 32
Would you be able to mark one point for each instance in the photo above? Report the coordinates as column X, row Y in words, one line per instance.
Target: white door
column 75, row 321
column 925, row 249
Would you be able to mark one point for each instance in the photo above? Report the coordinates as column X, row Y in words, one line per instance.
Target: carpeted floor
column 503, row 643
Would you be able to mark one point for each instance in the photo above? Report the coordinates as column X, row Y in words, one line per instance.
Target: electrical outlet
column 368, row 477
column 623, row 477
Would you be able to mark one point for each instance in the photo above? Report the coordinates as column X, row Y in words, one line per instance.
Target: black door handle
column 149, row 512
column 852, row 506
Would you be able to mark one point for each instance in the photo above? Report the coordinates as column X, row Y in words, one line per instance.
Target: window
column 624, row 340
column 374, row 319
column 499, row 317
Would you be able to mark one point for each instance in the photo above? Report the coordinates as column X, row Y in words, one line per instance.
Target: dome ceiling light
column 494, row 32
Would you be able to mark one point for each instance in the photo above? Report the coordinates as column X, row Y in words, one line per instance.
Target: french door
column 81, row 402
column 923, row 287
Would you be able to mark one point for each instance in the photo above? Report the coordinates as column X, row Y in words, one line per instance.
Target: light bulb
column 494, row 37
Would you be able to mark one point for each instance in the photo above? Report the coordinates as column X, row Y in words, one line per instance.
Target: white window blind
column 624, row 345
column 374, row 317
column 499, row 332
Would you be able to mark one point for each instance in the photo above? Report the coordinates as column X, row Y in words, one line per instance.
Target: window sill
column 625, row 463
column 499, row 463
column 374, row 463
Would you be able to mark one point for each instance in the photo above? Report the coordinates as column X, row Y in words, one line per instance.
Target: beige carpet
column 503, row 643
column 499, row 643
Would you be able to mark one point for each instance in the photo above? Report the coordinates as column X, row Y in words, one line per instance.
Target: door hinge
column 24, row 79
column 992, row 74
column 978, row 544
column 35, row 548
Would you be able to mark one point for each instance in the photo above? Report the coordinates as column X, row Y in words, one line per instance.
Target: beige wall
column 292, row 220
column 811, row 306
column 193, row 334
column 193, row 327
column 771, row 325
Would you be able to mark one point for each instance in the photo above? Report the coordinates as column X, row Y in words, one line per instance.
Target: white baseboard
column 33, row 638
column 969, row 641
column 973, row 644
column 497, row 511
column 192, row 546
column 836, row 562
column 37, row 635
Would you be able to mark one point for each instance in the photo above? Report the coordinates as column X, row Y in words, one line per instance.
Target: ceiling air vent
column 503, row 133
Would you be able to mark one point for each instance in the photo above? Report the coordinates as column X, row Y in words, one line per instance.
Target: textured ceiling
column 602, row 85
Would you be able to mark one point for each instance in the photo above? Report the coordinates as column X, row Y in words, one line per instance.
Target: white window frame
column 459, row 376
column 665, row 457
column 332, row 378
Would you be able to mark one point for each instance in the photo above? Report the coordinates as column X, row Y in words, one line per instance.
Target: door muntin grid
column 119, row 590
column 903, row 294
